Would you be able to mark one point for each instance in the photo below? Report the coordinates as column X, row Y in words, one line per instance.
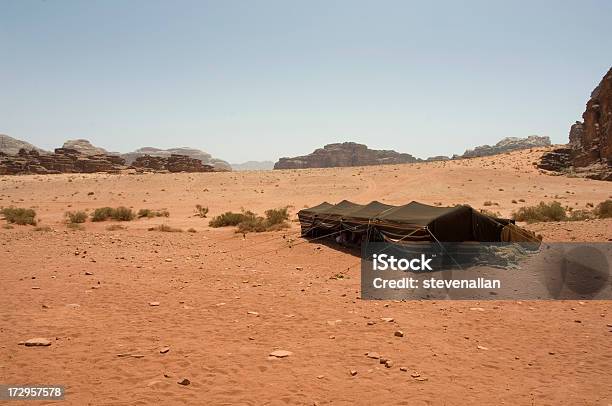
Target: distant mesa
column 206, row 158
column 253, row 166
column 589, row 152
column 11, row 146
column 80, row 156
column 345, row 154
column 506, row 145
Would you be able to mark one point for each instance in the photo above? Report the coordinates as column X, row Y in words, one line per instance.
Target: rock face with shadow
column 506, row 145
column 589, row 152
column 62, row 160
column 345, row 154
column 204, row 157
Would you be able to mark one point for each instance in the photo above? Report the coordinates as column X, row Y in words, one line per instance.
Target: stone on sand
column 399, row 333
column 153, row 303
column 280, row 353
column 184, row 381
column 164, row 350
column 37, row 342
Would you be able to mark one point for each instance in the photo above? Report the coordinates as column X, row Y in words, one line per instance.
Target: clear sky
column 257, row 80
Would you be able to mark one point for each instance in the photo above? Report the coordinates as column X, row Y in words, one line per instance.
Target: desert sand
column 131, row 312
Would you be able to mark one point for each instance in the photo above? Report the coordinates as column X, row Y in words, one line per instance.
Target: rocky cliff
column 506, row 145
column 589, row 152
column 63, row 160
column 11, row 146
column 344, row 154
column 206, row 158
column 172, row 163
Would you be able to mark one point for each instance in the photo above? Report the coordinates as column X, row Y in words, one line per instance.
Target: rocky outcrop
column 589, row 152
column 204, row 157
column 172, row 163
column 506, row 145
column 344, row 154
column 85, row 147
column 63, row 160
column 11, row 146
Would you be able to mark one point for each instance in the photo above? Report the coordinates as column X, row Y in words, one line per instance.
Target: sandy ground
column 226, row 302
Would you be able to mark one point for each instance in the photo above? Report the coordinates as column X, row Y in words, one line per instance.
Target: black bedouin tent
column 414, row 221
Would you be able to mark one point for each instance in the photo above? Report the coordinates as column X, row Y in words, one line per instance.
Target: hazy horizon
column 259, row 81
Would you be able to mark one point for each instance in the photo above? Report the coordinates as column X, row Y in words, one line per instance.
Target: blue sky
column 256, row 80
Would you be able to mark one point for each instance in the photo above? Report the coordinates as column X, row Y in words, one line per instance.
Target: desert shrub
column 102, row 214
column 43, row 228
column 488, row 203
column 255, row 224
column 21, row 216
column 166, row 229
column 115, row 227
column 148, row 213
column 604, row 209
column 542, row 212
column 201, row 211
column 231, row 219
column 277, row 216
column 578, row 215
column 76, row 216
column 123, row 214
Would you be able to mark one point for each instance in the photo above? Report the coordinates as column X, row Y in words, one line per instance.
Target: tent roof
column 371, row 210
column 418, row 213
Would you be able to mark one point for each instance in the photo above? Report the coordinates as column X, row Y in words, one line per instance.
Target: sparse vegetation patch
column 17, row 215
column 542, row 212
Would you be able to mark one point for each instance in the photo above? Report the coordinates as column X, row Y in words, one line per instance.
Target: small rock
column 373, row 355
column 280, row 353
column 403, row 369
column 164, row 350
column 299, row 268
column 415, row 374
column 399, row 333
column 388, row 319
column 37, row 342
column 371, row 323
column 481, row 347
column 253, row 313
column 389, row 364
column 320, row 376
column 478, row 309
column 353, row 372
column 169, row 260
column 88, row 273
column 153, row 303
column 184, row 382
column 137, row 355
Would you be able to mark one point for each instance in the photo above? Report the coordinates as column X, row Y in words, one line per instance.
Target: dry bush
column 119, row 214
column 43, row 228
column 76, row 216
column 148, row 213
column 604, row 209
column 102, row 214
column 115, row 227
column 542, row 212
column 578, row 215
column 166, row 229
column 231, row 219
column 21, row 216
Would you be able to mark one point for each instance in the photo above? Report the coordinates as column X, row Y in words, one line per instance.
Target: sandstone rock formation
column 344, row 154
column 85, row 147
column 11, row 146
column 205, row 157
column 506, row 145
column 63, row 160
column 589, row 152
column 172, row 163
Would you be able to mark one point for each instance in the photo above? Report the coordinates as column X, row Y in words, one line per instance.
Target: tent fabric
column 411, row 222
